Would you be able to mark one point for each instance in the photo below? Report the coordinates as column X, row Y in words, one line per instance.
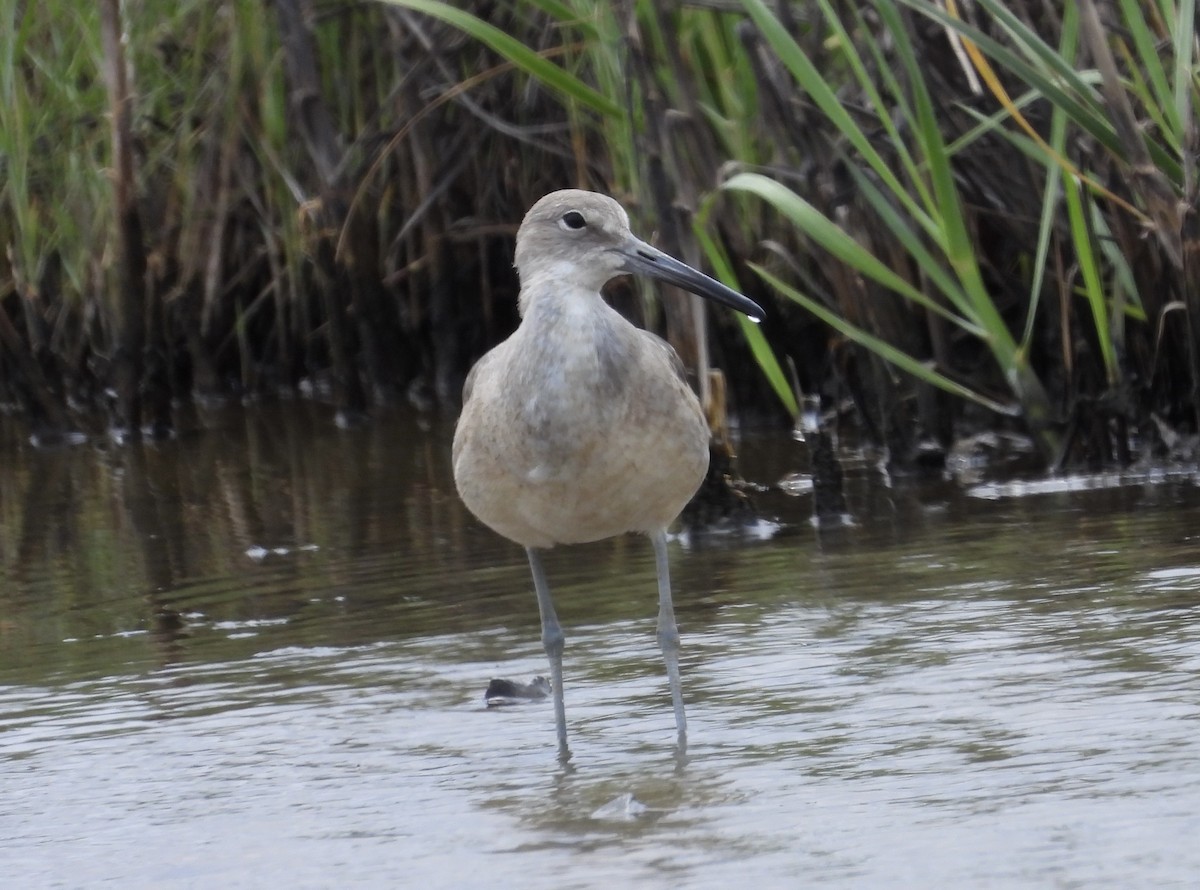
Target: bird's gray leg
column 552, row 641
column 668, row 632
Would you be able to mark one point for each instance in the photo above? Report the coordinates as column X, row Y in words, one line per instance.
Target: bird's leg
column 552, row 641
column 668, row 632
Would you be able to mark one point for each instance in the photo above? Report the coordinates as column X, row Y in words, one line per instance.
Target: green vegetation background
column 962, row 217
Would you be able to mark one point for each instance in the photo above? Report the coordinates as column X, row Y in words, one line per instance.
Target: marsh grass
column 968, row 221
column 1118, row 156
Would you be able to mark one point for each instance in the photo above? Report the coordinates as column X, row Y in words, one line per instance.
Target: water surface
column 256, row 655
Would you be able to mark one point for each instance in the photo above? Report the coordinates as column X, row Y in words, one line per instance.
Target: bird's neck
column 561, row 281
column 573, row 336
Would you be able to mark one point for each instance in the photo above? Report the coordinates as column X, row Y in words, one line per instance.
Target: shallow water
column 256, row 656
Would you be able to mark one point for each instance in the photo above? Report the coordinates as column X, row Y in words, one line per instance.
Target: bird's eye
column 573, row 219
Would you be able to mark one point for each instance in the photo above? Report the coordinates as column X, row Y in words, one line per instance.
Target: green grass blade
column 918, row 369
column 1184, row 38
column 1045, row 71
column 759, row 347
column 930, row 267
column 1146, row 45
column 1123, row 281
column 1069, row 42
column 1050, row 198
column 977, row 306
column 565, row 14
column 828, row 235
column 529, row 61
column 823, row 95
column 1074, row 96
column 884, row 110
column 1090, row 272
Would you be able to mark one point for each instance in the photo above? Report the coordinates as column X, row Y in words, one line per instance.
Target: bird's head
column 583, row 239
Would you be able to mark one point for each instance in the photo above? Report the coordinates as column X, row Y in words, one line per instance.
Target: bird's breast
column 579, row 432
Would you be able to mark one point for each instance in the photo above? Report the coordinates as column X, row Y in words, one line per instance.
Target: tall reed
column 970, row 220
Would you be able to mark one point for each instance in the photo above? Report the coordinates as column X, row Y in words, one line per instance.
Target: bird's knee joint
column 668, row 640
column 553, row 640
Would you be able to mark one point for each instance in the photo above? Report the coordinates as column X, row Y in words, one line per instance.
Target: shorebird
column 581, row 426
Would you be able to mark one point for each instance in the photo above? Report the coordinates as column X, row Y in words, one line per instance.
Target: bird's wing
column 669, row 354
column 469, row 383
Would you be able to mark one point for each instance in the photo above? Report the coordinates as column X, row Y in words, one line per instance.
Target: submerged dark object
column 510, row 692
column 829, row 496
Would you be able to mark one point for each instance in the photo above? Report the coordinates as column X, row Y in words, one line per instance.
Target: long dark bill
column 643, row 259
